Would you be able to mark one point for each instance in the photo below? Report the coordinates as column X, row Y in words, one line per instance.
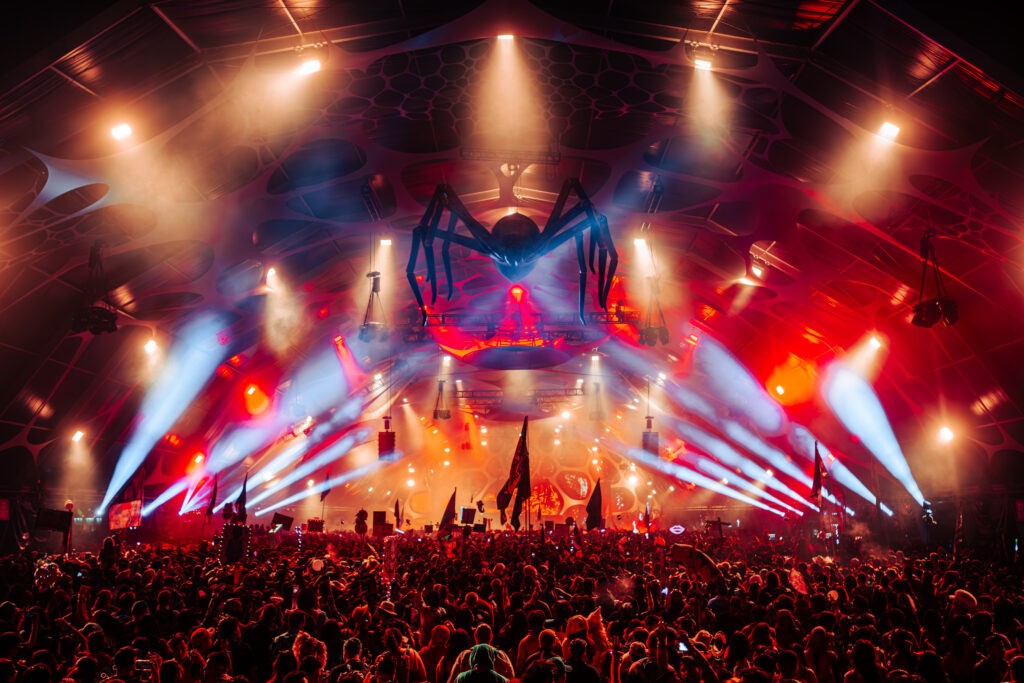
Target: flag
column 594, row 506
column 323, row 494
column 240, row 503
column 398, row 516
column 518, row 479
column 448, row 519
column 213, row 498
column 819, row 476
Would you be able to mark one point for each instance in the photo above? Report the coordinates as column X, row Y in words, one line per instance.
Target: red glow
column 256, row 400
column 323, row 312
column 173, row 439
column 517, row 293
column 793, row 381
column 199, row 458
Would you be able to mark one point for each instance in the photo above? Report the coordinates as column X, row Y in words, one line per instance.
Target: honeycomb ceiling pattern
column 222, row 181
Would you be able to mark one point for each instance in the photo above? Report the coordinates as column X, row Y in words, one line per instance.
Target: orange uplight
column 517, row 293
column 256, row 400
column 793, row 381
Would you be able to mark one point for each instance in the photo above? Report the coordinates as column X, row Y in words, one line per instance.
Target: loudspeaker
column 383, row 529
column 650, row 442
column 468, row 515
column 233, row 543
column 380, row 518
column 385, row 444
column 480, row 528
column 315, row 526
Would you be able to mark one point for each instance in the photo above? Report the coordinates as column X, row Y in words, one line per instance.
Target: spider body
column 516, row 242
column 516, row 237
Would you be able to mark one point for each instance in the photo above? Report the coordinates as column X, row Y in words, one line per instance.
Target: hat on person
column 562, row 666
column 481, row 657
column 964, row 598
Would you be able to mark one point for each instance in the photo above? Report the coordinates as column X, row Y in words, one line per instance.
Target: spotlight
column 199, row 458
column 746, row 281
column 506, row 36
column 703, row 57
column 945, row 434
column 875, row 343
column 769, row 473
column 517, row 293
column 150, row 347
column 632, row 480
column 385, row 243
column 250, row 390
column 756, row 270
column 310, row 66
column 889, row 131
column 565, row 414
column 779, row 389
column 309, row 482
column 931, row 311
column 639, row 242
column 595, row 357
column 78, row 436
column 410, row 483
column 121, row 131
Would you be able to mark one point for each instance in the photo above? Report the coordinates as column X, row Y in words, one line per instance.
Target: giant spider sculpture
column 515, row 243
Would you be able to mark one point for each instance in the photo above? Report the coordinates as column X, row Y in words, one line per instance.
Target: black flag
column 448, row 520
column 240, row 514
column 819, row 476
column 323, row 494
column 594, row 508
column 213, row 498
column 398, row 515
column 518, row 479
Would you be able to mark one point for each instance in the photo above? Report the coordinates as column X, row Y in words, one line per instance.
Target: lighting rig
column 928, row 312
column 96, row 319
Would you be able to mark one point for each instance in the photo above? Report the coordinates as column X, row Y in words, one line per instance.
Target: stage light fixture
column 121, row 131
column 78, row 436
column 875, row 343
column 517, row 293
column 410, row 482
column 945, row 434
column 928, row 312
column 639, row 242
column 199, row 457
column 309, row 482
column 595, row 357
column 150, row 347
column 746, row 281
column 756, row 270
column 371, row 327
column 309, row 66
column 779, row 389
column 889, row 131
column 565, row 414
column 385, row 242
column 250, row 390
column 506, row 36
column 703, row 57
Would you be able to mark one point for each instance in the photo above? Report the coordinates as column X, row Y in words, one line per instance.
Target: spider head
column 517, row 238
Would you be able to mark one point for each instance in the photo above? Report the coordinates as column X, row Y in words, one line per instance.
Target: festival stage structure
column 707, row 266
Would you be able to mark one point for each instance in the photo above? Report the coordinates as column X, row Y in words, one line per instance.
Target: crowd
column 607, row 608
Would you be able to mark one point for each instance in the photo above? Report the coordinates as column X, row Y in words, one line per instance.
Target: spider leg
column 613, row 262
column 581, row 258
column 483, row 237
column 446, row 256
column 410, row 270
column 428, row 242
column 594, row 237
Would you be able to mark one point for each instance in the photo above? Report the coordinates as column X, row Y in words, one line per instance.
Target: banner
column 125, row 515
